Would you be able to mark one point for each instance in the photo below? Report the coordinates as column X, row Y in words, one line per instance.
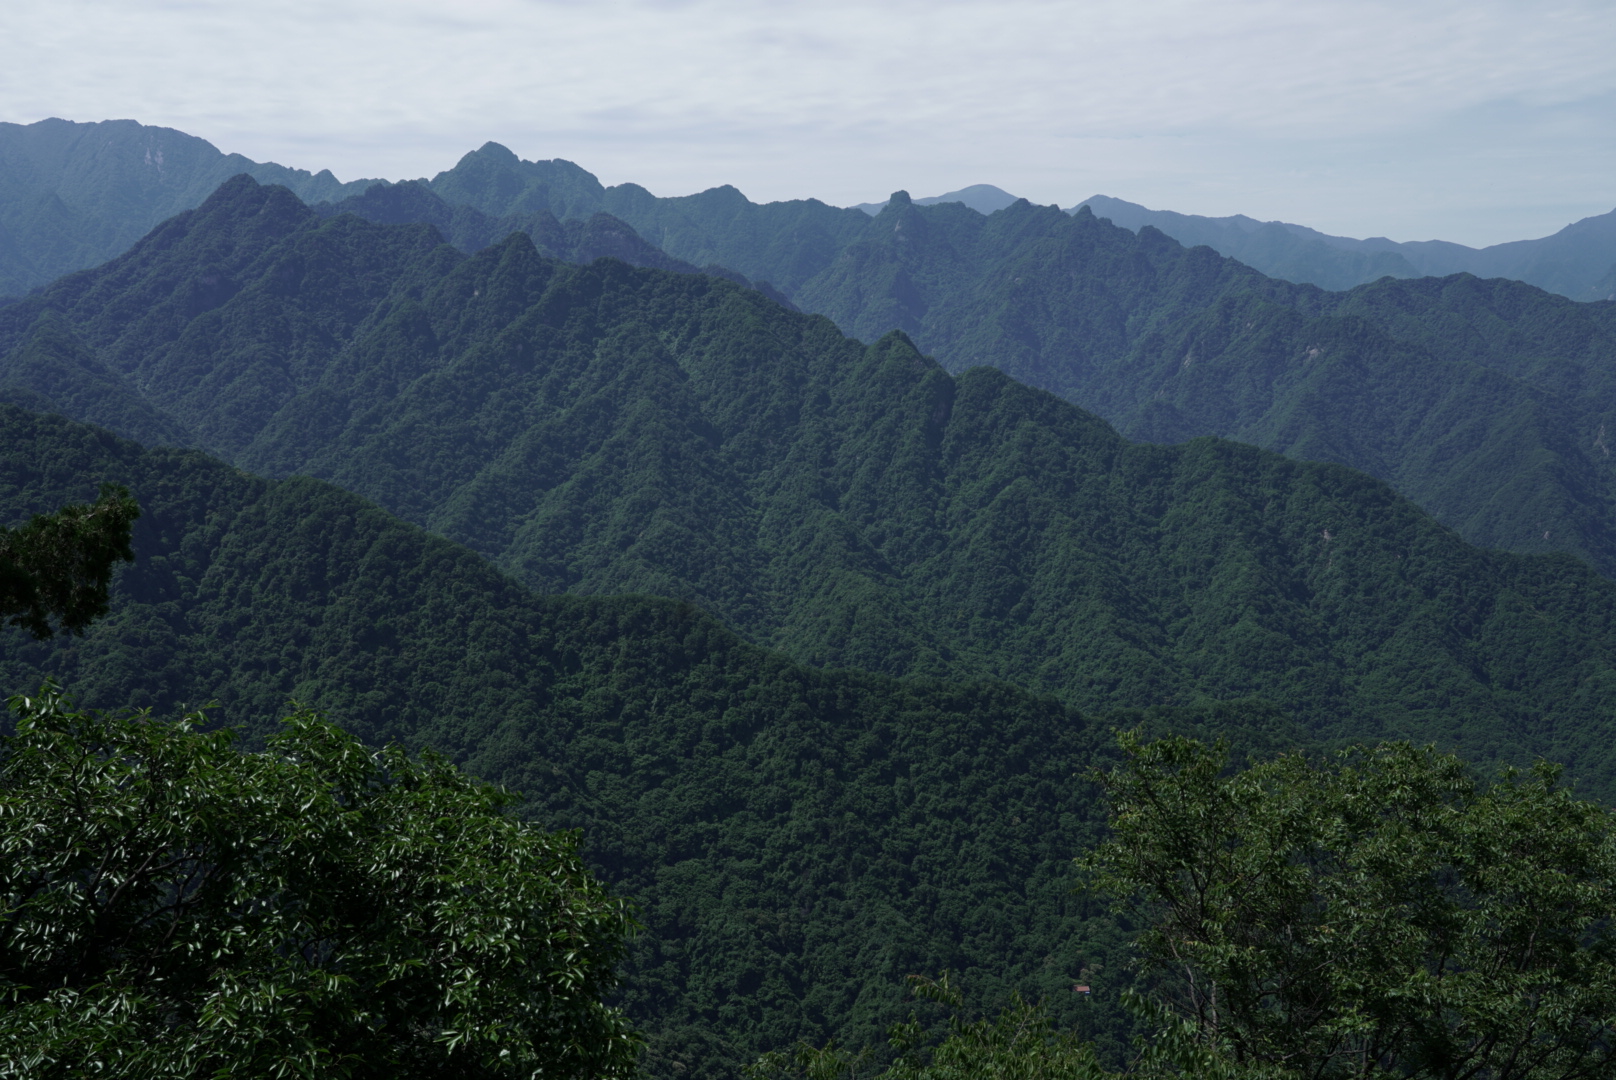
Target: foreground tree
column 60, row 565
column 1374, row 913
column 172, row 906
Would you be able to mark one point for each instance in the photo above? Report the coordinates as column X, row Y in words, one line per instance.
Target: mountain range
column 1483, row 401
column 806, row 558
column 1013, row 578
column 610, row 429
column 75, row 195
column 1486, row 403
column 1579, row 261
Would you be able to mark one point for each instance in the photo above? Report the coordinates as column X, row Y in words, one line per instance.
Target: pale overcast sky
column 1473, row 120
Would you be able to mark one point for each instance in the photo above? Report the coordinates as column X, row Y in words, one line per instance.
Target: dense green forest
column 607, row 429
column 305, row 907
column 813, row 638
column 1482, row 401
column 797, row 840
column 1485, row 402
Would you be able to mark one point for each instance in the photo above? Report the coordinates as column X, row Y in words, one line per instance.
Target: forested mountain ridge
column 1577, row 261
column 75, row 195
column 1484, row 403
column 608, row 429
column 797, row 841
column 800, row 838
column 576, row 240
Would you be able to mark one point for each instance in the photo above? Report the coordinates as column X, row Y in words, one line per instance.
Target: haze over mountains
column 1579, row 261
column 983, row 198
column 74, row 195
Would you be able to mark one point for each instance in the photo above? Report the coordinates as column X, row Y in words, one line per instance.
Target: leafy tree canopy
column 1377, row 912
column 172, row 906
column 61, row 564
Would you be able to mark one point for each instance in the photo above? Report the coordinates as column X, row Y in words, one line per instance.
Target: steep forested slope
column 1484, row 402
column 798, row 841
column 605, row 429
column 75, row 195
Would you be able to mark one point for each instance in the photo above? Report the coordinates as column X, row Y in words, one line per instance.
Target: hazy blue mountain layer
column 608, row 429
column 797, row 841
column 599, row 236
column 1579, row 261
column 983, row 198
column 783, row 243
column 75, row 195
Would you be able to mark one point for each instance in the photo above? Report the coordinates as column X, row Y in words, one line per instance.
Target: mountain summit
column 983, row 198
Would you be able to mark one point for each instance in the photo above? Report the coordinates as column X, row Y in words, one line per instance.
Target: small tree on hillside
column 60, row 565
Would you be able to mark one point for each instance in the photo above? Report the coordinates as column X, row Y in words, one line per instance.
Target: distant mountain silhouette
column 75, row 195
column 600, row 235
column 983, row 198
column 1579, row 261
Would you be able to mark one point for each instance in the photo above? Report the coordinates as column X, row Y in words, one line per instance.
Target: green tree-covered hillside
column 1487, row 402
column 797, row 840
column 607, row 429
column 1482, row 401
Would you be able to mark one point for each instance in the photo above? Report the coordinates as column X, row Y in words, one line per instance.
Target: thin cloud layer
column 1471, row 121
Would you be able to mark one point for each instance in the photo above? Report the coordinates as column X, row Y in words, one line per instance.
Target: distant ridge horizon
column 1577, row 261
column 59, row 220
